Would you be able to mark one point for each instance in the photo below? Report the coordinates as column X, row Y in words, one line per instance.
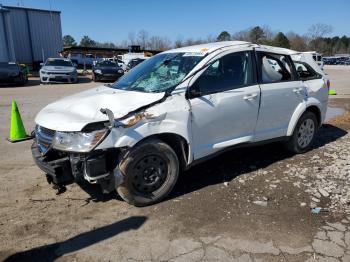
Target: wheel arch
column 301, row 109
column 177, row 142
column 317, row 112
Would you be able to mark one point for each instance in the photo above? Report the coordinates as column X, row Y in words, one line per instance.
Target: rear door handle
column 250, row 97
column 298, row 90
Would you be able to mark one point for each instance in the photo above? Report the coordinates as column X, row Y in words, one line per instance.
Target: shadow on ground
column 227, row 166
column 31, row 82
column 53, row 251
column 239, row 161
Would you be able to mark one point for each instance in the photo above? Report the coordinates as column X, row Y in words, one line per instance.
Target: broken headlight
column 78, row 141
column 136, row 118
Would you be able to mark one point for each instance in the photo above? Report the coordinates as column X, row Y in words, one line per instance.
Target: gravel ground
column 244, row 205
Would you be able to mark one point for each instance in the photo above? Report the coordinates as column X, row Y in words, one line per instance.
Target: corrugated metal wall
column 37, row 34
column 20, row 36
column 6, row 41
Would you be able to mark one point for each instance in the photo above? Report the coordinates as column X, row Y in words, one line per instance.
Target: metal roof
column 28, row 8
column 83, row 49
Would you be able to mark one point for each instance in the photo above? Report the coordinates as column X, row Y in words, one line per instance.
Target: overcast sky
column 113, row 20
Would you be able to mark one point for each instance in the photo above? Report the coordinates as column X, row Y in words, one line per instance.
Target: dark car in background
column 106, row 70
column 134, row 62
column 12, row 73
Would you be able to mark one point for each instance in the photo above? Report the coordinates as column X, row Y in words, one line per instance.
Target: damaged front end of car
column 68, row 157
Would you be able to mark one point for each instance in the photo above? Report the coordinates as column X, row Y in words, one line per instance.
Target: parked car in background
column 118, row 61
column 317, row 58
column 134, row 62
column 58, row 70
column 12, row 73
column 84, row 59
column 177, row 109
column 106, row 70
column 129, row 56
column 336, row 60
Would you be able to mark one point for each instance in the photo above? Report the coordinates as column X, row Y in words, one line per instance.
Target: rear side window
column 275, row 68
column 306, row 72
column 228, row 72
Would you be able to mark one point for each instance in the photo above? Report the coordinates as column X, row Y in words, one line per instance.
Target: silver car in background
column 58, row 70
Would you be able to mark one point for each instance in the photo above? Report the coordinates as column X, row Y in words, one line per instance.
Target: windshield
column 106, row 63
column 159, row 73
column 8, row 66
column 58, row 62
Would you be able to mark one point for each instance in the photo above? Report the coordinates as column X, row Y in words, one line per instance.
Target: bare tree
column 179, row 42
column 319, row 30
column 131, row 37
column 242, row 35
column 297, row 42
column 159, row 43
column 142, row 38
column 210, row 39
column 316, row 33
column 269, row 34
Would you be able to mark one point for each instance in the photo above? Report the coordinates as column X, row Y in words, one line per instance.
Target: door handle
column 250, row 97
column 298, row 90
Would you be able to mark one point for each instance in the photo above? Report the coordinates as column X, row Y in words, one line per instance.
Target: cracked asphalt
column 244, row 205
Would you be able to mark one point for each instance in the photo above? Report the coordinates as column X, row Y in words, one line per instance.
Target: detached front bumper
column 58, row 171
column 63, row 168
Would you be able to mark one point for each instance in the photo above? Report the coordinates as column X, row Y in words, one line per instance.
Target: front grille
column 61, row 80
column 44, row 137
column 58, row 73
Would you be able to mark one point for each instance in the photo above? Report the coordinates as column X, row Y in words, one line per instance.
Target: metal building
column 29, row 35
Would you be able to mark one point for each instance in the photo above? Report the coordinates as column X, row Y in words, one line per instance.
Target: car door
column 313, row 80
column 224, row 103
column 281, row 93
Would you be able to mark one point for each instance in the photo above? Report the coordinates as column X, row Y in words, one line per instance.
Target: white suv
column 175, row 109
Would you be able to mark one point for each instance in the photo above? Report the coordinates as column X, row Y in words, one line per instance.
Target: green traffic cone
column 332, row 92
column 17, row 130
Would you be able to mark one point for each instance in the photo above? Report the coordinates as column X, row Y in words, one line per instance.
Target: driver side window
column 228, row 72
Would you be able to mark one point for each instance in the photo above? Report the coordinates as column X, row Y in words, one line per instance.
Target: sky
column 113, row 20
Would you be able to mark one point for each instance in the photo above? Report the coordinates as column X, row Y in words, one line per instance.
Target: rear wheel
column 150, row 172
column 304, row 133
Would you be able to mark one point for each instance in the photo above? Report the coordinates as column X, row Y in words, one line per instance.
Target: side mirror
column 41, row 64
column 194, row 91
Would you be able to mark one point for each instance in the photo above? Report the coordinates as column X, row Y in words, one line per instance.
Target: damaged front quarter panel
column 168, row 116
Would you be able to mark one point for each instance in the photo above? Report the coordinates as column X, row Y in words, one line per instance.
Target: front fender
column 168, row 117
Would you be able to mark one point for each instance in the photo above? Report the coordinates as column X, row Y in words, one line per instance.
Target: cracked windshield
column 160, row 73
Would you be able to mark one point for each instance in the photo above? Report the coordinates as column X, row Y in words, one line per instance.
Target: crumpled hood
column 74, row 112
column 58, row 68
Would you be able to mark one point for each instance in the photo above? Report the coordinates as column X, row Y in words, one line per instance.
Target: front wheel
column 150, row 172
column 95, row 78
column 304, row 133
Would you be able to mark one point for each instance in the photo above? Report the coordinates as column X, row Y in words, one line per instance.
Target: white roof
column 209, row 47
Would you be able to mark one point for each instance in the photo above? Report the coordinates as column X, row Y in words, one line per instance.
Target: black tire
column 22, row 80
column 150, row 172
column 300, row 146
column 94, row 78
